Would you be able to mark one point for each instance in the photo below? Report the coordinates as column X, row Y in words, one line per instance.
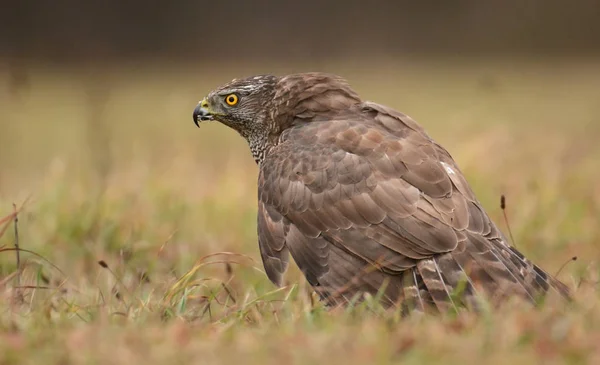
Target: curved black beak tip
column 201, row 114
column 197, row 114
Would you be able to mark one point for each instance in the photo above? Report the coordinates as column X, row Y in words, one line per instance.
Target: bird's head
column 240, row 104
column 260, row 108
column 268, row 102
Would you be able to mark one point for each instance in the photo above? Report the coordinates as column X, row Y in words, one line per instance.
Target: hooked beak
column 202, row 113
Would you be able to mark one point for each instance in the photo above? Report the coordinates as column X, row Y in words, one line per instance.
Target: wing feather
column 272, row 242
column 366, row 199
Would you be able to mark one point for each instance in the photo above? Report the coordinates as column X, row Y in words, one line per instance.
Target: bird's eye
column 231, row 99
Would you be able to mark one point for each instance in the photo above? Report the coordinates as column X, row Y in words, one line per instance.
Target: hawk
column 365, row 201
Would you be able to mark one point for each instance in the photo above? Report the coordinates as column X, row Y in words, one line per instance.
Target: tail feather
column 458, row 279
column 412, row 298
column 536, row 276
column 432, row 278
column 502, row 270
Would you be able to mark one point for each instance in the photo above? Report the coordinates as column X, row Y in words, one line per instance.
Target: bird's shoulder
column 373, row 153
column 372, row 137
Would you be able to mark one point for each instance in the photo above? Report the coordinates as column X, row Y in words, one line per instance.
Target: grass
column 145, row 226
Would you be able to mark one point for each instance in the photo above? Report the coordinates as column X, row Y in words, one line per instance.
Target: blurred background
column 96, row 101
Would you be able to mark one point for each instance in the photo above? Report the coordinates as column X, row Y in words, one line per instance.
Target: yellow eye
column 231, row 99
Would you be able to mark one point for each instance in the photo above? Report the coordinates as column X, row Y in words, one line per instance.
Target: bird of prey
column 365, row 201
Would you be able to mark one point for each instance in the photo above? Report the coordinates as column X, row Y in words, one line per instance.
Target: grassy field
column 141, row 228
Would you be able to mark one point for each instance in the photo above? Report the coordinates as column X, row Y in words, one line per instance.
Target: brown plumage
column 365, row 201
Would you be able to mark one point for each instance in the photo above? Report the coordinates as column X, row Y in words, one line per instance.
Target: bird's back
column 366, row 202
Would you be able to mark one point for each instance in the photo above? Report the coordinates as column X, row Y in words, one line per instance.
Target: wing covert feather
column 372, row 188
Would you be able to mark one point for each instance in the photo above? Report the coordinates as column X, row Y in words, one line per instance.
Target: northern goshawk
column 365, row 201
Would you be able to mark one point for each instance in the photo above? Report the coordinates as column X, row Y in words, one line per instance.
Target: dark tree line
column 73, row 30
